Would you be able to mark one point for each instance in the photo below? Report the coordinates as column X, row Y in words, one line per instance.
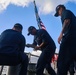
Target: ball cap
column 30, row 30
column 57, row 9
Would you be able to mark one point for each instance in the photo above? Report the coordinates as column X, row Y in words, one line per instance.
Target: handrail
column 1, row 69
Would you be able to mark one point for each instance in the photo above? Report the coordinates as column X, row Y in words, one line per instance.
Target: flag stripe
column 39, row 22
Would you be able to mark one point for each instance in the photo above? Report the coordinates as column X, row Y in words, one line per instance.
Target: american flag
column 39, row 22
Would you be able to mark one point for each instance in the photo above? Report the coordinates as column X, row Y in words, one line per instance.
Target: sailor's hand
column 37, row 48
column 60, row 38
column 28, row 45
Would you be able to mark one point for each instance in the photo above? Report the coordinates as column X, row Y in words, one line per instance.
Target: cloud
column 48, row 6
column 4, row 3
column 45, row 6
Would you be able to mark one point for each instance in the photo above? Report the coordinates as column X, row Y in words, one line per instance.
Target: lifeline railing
column 29, row 56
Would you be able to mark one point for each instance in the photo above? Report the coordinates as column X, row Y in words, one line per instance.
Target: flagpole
column 35, row 8
column 39, row 22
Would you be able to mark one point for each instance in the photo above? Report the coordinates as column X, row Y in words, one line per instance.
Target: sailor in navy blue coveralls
column 67, row 39
column 12, row 44
column 43, row 41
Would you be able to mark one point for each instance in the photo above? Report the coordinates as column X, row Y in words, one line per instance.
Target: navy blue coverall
column 67, row 52
column 48, row 50
column 12, row 44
